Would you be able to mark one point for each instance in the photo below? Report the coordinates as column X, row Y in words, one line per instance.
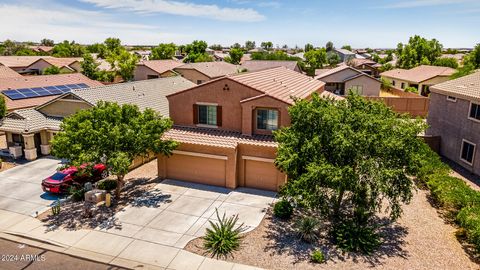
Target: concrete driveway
column 20, row 189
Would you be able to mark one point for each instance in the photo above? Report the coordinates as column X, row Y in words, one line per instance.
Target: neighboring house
column 245, row 57
column 41, row 49
column 32, row 92
column 345, row 55
column 205, row 71
column 340, row 79
column 19, row 63
column 220, row 56
column 29, row 131
column 6, row 72
column 455, row 117
column 66, row 65
column 255, row 65
column 421, row 77
column 143, row 54
column 458, row 56
column 225, row 126
column 367, row 66
column 300, row 55
column 154, row 69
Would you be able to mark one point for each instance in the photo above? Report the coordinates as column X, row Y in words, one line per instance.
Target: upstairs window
column 393, row 83
column 206, row 114
column 452, row 99
column 267, row 119
column 474, row 111
column 403, row 85
column 468, row 152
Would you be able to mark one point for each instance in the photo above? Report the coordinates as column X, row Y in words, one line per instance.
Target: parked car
column 61, row 181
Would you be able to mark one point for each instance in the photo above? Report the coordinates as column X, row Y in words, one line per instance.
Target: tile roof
column 332, row 71
column 280, row 83
column 20, row 61
column 217, row 138
column 254, row 65
column 6, row 72
column 63, row 62
column 467, row 87
column 344, row 51
column 145, row 94
column 41, row 48
column 40, row 81
column 212, row 69
column 358, row 62
column 418, row 74
column 161, row 66
column 29, row 120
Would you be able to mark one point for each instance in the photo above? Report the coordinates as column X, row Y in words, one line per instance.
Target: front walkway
column 150, row 232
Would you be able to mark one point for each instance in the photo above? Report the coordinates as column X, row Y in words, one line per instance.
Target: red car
column 62, row 180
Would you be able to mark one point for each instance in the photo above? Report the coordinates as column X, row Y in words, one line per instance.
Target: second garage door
column 261, row 174
column 196, row 168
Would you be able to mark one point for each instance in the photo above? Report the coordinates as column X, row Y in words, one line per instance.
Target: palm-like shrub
column 307, row 229
column 224, row 237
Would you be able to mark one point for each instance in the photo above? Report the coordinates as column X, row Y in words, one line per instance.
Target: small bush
column 283, row 209
column 452, row 193
column 307, row 228
column 352, row 237
column 224, row 237
column 107, row 184
column 317, row 256
column 78, row 194
column 469, row 219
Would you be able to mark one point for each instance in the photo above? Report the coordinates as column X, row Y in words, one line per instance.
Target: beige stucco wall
column 142, row 72
column 249, row 125
column 339, row 76
column 64, row 107
column 192, row 75
column 40, row 65
column 371, row 87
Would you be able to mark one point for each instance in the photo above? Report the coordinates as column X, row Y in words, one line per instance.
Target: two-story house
column 343, row 78
column 455, row 116
column 225, row 126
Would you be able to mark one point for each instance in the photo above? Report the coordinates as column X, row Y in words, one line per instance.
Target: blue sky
column 360, row 23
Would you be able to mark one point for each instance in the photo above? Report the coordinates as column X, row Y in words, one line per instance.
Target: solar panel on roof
column 22, row 93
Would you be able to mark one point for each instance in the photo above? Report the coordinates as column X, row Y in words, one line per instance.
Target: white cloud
column 61, row 23
column 182, row 8
column 422, row 3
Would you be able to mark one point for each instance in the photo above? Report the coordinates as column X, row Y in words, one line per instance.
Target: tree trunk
column 336, row 207
column 120, row 184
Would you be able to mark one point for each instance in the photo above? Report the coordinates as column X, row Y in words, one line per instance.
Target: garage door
column 196, row 167
column 260, row 174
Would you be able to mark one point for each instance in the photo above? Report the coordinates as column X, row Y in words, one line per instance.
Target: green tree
column 114, row 135
column 3, row 107
column 89, row 66
column 446, row 62
column 249, row 45
column 51, row 70
column 98, row 48
column 471, row 62
column 235, row 56
column 347, row 47
column 235, row 46
column 347, row 158
column 329, row 46
column 196, row 52
column 333, row 59
column 386, row 84
column 68, row 49
column 113, row 45
column 163, row 51
column 308, row 47
column 47, row 42
column 267, row 45
column 386, row 67
column 418, row 51
column 315, row 59
column 123, row 64
column 218, row 47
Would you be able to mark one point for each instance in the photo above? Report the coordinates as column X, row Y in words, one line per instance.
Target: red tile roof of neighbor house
column 418, row 74
column 20, row 61
column 61, row 62
column 254, row 65
column 40, row 81
column 358, row 62
column 217, row 138
column 161, row 66
column 211, row 69
column 6, row 72
column 282, row 83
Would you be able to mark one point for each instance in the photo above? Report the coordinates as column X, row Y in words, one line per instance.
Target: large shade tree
column 163, row 51
column 345, row 158
column 3, row 107
column 418, row 51
column 114, row 135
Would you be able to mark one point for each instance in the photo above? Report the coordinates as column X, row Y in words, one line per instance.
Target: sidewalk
column 105, row 247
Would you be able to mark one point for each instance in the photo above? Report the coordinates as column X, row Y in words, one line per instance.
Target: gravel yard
column 423, row 241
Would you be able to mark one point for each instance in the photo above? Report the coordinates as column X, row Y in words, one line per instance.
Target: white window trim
column 449, row 98
column 474, row 150
column 206, row 103
column 470, row 109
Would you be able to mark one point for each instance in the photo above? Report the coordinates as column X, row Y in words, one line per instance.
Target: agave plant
column 224, row 236
column 307, row 229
